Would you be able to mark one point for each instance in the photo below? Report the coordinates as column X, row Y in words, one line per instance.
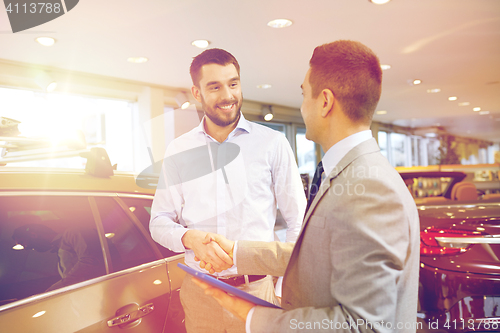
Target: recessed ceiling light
column 264, row 86
column 385, row 67
column 201, row 43
column 46, row 41
column 476, row 109
column 433, row 91
column 137, row 60
column 463, row 104
column 417, row 81
column 279, row 23
column 381, row 112
column 452, row 98
column 379, row 2
column 484, row 112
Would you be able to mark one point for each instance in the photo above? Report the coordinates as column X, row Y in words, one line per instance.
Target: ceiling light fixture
column 46, row 41
column 417, row 81
column 433, row 91
column 482, row 113
column 476, row 109
column 385, row 67
column 381, row 112
column 452, row 98
column 46, row 82
column 264, row 86
column 464, row 104
column 267, row 112
column 279, row 23
column 379, row 2
column 200, row 43
column 182, row 100
column 137, row 60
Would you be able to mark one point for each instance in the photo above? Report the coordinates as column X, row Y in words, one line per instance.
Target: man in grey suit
column 354, row 267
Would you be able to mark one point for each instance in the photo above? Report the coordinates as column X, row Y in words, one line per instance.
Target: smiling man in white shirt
column 227, row 176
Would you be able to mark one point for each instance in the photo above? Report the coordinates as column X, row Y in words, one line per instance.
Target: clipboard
column 226, row 287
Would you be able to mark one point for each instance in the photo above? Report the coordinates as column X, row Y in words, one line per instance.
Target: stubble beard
column 212, row 114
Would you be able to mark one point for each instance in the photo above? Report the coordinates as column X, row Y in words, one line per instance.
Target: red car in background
column 459, row 288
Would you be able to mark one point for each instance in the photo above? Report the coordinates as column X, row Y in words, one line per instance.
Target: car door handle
column 131, row 316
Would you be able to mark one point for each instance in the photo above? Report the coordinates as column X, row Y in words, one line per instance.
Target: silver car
column 76, row 255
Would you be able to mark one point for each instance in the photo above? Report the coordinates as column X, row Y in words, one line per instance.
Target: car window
column 127, row 245
column 142, row 210
column 47, row 242
column 422, row 187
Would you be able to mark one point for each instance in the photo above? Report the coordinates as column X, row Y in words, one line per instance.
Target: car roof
column 49, row 179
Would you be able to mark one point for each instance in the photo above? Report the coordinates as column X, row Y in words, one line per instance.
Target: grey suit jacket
column 355, row 265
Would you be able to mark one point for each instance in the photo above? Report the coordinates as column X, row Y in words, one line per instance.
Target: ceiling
column 452, row 45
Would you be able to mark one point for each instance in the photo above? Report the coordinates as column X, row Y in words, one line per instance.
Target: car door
column 140, row 207
column 130, row 291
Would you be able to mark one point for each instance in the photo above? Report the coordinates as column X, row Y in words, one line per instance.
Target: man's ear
column 328, row 100
column 195, row 91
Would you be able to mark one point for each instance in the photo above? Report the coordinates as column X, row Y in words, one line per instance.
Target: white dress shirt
column 237, row 196
column 337, row 152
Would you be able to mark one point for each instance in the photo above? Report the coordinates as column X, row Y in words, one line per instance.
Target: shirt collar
column 333, row 156
column 243, row 124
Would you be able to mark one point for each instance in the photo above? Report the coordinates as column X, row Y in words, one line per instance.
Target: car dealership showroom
column 102, row 185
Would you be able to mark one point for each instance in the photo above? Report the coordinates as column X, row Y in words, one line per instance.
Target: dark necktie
column 316, row 183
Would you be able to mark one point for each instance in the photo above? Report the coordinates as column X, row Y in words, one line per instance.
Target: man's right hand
column 226, row 244
column 207, row 251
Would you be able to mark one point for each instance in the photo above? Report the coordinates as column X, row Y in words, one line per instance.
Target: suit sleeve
column 263, row 258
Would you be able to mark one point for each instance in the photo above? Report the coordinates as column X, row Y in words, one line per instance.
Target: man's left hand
column 237, row 306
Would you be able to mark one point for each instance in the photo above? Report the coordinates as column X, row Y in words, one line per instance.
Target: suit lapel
column 366, row 147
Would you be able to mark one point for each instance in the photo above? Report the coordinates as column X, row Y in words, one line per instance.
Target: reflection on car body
column 459, row 288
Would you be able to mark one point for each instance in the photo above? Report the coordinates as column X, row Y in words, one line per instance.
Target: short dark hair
column 211, row 56
column 352, row 72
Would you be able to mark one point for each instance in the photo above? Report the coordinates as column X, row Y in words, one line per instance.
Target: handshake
column 213, row 251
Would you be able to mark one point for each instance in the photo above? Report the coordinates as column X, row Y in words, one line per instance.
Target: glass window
column 277, row 127
column 415, row 149
column 433, row 151
column 382, row 143
column 306, row 153
column 127, row 245
column 59, row 117
column 398, row 151
column 142, row 210
column 47, row 242
column 422, row 187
